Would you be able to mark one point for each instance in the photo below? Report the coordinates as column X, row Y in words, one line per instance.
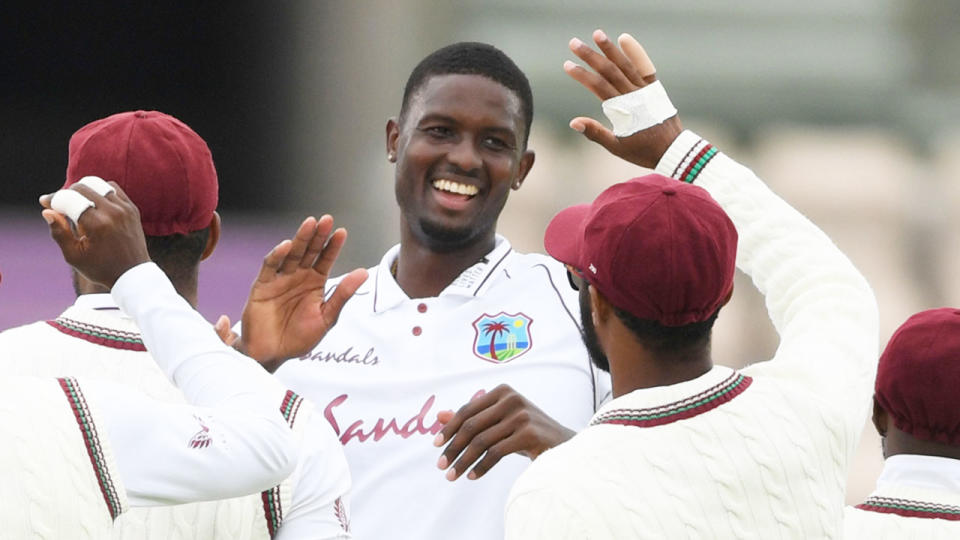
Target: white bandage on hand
column 638, row 110
column 97, row 184
column 70, row 203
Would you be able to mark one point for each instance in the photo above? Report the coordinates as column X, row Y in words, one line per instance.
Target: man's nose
column 464, row 155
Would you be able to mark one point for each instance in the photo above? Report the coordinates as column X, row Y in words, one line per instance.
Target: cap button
column 669, row 191
column 140, row 114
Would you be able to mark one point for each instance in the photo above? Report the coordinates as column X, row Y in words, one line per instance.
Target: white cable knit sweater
column 58, row 476
column 97, row 341
column 759, row 453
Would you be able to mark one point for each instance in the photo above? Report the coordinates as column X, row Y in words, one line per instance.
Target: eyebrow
column 438, row 117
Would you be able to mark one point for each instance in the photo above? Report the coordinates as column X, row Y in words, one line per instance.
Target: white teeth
column 455, row 187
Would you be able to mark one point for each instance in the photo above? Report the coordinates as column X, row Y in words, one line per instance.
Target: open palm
column 287, row 313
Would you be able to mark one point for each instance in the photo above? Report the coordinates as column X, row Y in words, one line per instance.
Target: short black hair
column 178, row 255
column 473, row 58
column 668, row 340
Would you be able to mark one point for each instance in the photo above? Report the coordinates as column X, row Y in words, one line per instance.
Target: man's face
column 459, row 148
column 589, row 333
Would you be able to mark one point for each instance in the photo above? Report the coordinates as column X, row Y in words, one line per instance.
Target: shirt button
column 422, row 308
column 417, row 330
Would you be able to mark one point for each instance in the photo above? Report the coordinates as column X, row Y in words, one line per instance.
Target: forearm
column 187, row 349
column 822, row 307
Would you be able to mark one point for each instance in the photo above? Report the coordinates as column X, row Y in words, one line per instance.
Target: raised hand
column 108, row 238
column 491, row 426
column 286, row 313
column 618, row 71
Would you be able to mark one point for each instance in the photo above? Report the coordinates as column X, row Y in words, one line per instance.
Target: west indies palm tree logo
column 501, row 337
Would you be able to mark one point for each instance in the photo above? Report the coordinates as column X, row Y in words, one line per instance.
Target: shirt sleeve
column 319, row 507
column 821, row 306
column 231, row 440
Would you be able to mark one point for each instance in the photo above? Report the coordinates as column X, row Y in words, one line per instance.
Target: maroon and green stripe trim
column 91, row 440
column 272, row 508
column 291, row 406
column 693, row 162
column 910, row 508
column 107, row 337
column 272, row 511
column 698, row 163
column 710, row 399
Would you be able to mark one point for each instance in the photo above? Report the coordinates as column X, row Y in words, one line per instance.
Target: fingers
column 444, row 416
column 609, row 71
column 478, row 402
column 299, row 245
column 324, row 226
column 596, row 132
column 224, row 332
column 591, row 81
column 62, row 234
column 487, row 444
column 638, row 57
column 344, row 290
column 465, row 428
column 331, row 251
column 623, row 63
column 273, row 260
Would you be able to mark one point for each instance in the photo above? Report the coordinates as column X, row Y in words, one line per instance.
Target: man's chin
column 446, row 237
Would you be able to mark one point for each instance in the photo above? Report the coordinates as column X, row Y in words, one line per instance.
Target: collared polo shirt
column 392, row 363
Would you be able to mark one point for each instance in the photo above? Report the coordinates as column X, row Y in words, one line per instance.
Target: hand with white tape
column 644, row 121
column 106, row 238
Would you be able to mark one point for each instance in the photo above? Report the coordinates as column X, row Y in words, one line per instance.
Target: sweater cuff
column 686, row 157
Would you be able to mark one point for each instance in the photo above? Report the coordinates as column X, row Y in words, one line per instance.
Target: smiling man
column 452, row 319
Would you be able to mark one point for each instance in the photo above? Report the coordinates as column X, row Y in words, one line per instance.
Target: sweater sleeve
column 232, row 439
column 822, row 308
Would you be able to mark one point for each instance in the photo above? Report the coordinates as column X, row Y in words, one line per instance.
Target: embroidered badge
column 202, row 438
column 502, row 337
column 340, row 510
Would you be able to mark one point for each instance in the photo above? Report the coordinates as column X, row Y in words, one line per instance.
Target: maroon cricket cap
column 655, row 247
column 918, row 376
column 162, row 165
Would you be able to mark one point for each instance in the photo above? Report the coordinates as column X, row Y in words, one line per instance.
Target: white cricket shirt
column 391, row 363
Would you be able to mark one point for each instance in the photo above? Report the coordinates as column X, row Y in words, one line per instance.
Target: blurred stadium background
column 848, row 108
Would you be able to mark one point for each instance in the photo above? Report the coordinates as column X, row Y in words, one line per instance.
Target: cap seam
column 189, row 194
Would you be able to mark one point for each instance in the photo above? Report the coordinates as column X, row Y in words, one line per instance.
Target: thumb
column 61, row 233
column 595, row 131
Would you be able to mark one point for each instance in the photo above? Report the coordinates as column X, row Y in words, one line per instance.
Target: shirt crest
column 502, row 337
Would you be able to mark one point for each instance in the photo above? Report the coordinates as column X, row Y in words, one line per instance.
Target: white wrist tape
column 97, row 184
column 70, row 203
column 638, row 110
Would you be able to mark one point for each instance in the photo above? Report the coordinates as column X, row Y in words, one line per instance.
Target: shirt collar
column 927, row 472
column 97, row 302
column 471, row 282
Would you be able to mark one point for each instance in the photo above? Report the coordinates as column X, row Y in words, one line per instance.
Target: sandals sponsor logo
column 418, row 424
column 370, row 358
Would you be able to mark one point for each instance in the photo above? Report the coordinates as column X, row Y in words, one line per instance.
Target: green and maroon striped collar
column 99, row 335
column 910, row 508
column 724, row 385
